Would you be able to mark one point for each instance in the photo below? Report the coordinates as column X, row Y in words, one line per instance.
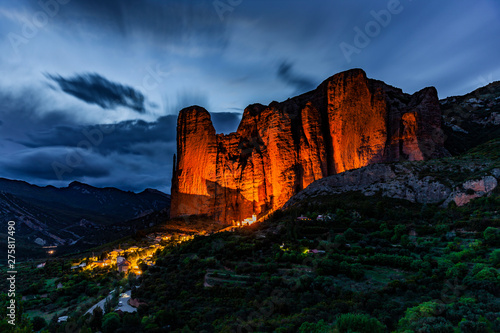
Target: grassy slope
column 383, row 272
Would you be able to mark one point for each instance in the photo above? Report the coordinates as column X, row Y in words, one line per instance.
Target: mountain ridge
column 348, row 122
column 76, row 216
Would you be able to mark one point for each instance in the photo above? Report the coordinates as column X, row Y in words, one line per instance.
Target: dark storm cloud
column 123, row 137
column 131, row 154
column 106, row 139
column 95, row 89
column 40, row 163
column 301, row 83
column 25, row 111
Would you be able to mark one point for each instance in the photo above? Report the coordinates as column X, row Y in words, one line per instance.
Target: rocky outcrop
column 472, row 189
column 402, row 181
column 472, row 119
column 348, row 122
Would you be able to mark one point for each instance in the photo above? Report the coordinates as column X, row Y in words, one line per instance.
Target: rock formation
column 472, row 119
column 406, row 181
column 348, row 122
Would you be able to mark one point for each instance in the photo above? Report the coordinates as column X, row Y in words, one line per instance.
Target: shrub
column 413, row 316
column 110, row 322
column 491, row 235
column 38, row 323
column 488, row 274
column 495, row 257
column 351, row 235
column 319, row 327
column 362, row 323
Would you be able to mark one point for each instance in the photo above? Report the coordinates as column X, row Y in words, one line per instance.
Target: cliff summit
column 348, row 122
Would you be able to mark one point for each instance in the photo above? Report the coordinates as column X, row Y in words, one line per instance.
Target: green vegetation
column 375, row 264
column 371, row 264
column 361, row 323
column 381, row 265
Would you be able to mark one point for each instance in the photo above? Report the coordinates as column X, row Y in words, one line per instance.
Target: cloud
column 221, row 65
column 45, row 163
column 123, row 137
column 178, row 24
column 226, row 122
column 105, row 139
column 28, row 110
column 301, row 83
column 48, row 146
column 95, row 89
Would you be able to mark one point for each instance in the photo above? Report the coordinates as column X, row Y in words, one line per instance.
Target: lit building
column 124, row 266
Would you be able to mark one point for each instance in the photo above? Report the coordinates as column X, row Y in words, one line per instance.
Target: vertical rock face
column 348, row 122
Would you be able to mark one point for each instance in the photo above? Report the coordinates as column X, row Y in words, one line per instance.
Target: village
column 128, row 259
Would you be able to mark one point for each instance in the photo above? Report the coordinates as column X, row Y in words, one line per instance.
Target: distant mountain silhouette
column 79, row 215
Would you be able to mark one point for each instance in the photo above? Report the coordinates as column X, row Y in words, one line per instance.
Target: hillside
column 337, row 261
column 72, row 218
column 471, row 119
column 408, row 265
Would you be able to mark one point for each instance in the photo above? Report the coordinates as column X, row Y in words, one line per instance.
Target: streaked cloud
column 95, row 89
column 300, row 83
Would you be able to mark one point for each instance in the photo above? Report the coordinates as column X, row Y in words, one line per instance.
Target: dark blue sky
column 89, row 90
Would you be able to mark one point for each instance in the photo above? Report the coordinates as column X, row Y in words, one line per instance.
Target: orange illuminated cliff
column 348, row 122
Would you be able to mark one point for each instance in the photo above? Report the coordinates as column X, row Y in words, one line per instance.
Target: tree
column 132, row 321
column 103, row 255
column 38, row 323
column 399, row 231
column 491, row 235
column 457, row 271
column 85, row 329
column 340, row 240
column 148, row 323
column 413, row 316
column 319, row 327
column 351, row 235
column 96, row 322
column 495, row 257
column 107, row 305
column 110, row 322
column 362, row 323
column 488, row 274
